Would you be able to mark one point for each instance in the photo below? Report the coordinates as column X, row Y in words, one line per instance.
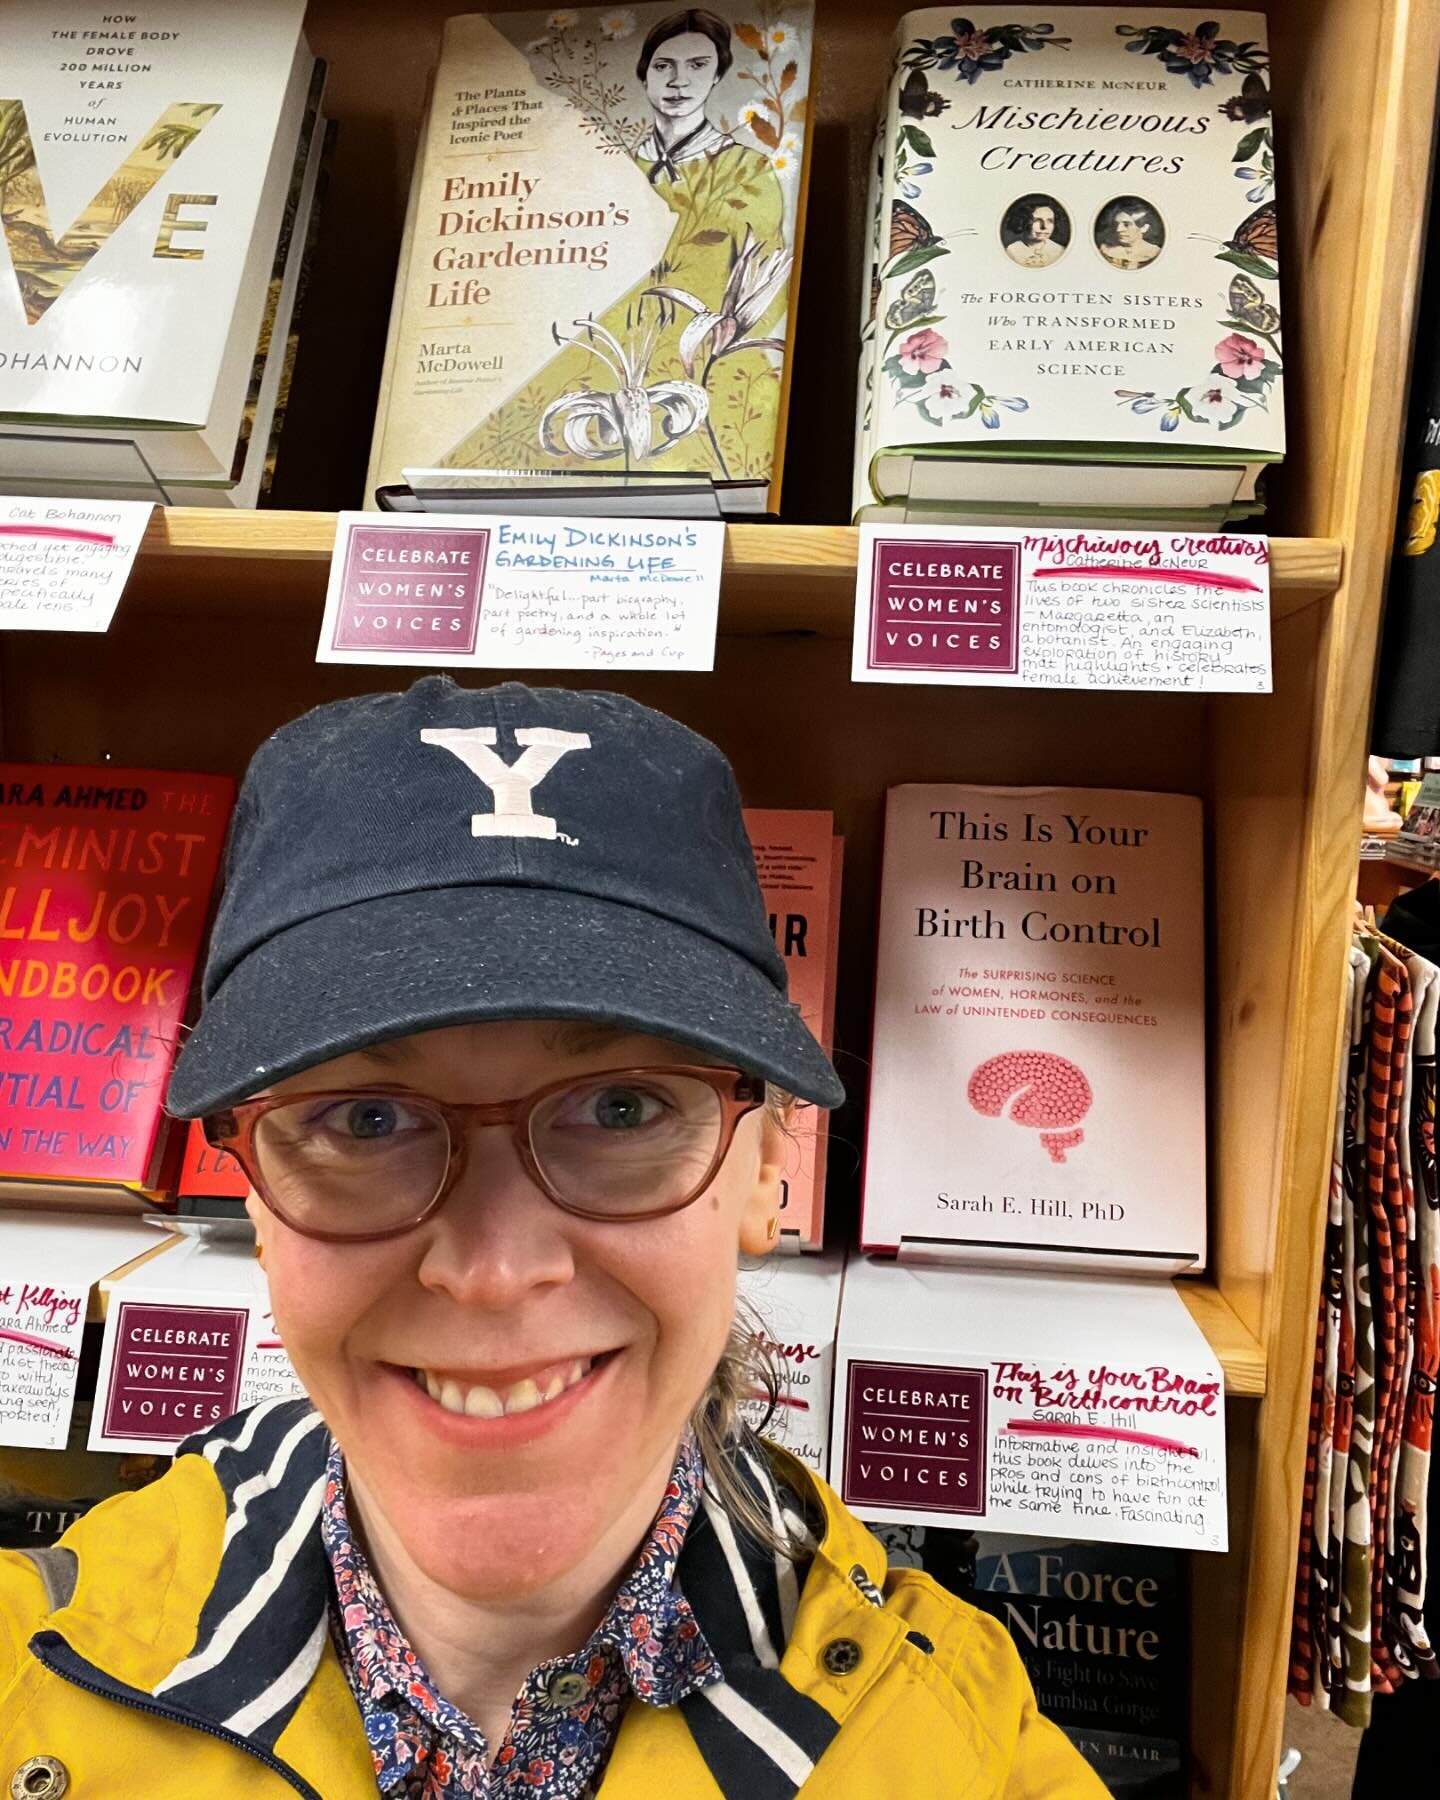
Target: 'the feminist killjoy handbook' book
column 602, row 249
column 1074, row 300
column 1037, row 1090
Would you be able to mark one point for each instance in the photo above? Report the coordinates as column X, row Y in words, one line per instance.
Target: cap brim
column 414, row 962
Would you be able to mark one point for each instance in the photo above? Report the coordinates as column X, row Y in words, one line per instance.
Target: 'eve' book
column 105, row 884
column 602, row 252
column 1074, row 303
column 1037, row 1089
column 147, row 159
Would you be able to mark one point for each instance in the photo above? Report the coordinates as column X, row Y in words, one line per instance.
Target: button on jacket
column 178, row 1644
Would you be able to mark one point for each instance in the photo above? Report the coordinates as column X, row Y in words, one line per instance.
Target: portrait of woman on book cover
column 1035, row 231
column 683, row 372
column 495, row 1024
column 1129, row 233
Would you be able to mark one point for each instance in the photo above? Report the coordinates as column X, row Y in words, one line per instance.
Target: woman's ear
column 760, row 1222
column 260, row 1219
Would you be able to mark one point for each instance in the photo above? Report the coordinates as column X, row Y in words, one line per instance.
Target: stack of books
column 158, row 183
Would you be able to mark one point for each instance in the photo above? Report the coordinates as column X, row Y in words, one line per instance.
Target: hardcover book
column 799, row 860
column 207, row 1173
column 1037, row 1089
column 146, row 163
column 105, row 885
column 1077, row 271
column 602, row 250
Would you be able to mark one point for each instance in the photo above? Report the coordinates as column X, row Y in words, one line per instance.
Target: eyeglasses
column 354, row 1165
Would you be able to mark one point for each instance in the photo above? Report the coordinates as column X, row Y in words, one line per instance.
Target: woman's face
column 681, row 74
column 501, row 1289
column 1130, row 228
column 1042, row 226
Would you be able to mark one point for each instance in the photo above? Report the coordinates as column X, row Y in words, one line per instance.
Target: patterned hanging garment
column 1408, row 1524
column 1352, row 1703
column 1309, row 1645
column 1389, row 1061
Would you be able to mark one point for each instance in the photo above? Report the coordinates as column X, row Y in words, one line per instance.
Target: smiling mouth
column 480, row 1400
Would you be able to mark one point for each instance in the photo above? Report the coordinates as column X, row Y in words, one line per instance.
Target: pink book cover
column 797, row 856
column 1037, row 1087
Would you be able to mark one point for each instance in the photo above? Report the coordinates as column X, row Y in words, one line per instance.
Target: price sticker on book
column 1161, row 612
column 449, row 591
column 64, row 563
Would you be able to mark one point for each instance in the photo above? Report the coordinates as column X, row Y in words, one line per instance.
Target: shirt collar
column 649, row 1625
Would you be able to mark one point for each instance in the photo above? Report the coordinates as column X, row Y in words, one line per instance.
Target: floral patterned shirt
column 567, row 1715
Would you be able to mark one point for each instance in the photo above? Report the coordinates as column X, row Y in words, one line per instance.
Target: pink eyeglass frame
column 233, row 1130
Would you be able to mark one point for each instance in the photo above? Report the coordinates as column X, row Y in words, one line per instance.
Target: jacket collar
column 263, row 1622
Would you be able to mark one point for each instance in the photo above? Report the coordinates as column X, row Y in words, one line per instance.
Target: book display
column 1073, row 301
column 559, row 269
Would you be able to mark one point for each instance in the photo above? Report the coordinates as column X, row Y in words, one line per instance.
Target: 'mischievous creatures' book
column 1073, row 306
column 602, row 251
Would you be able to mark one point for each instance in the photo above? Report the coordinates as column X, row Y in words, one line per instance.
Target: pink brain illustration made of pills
column 1042, row 1091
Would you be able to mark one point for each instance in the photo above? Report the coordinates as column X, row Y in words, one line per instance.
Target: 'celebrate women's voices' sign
column 982, row 607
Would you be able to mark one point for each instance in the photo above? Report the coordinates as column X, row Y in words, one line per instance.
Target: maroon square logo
column 176, row 1369
column 915, row 1437
column 949, row 606
column 411, row 590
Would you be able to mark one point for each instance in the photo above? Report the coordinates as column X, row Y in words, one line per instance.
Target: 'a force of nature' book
column 1102, row 1630
column 1074, row 305
column 602, row 252
column 106, row 876
column 1037, row 1088
column 146, row 160
column 799, row 860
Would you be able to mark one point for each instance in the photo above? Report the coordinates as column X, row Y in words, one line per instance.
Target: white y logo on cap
column 511, row 784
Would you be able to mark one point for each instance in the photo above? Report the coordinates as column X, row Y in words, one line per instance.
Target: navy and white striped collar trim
column 263, row 1627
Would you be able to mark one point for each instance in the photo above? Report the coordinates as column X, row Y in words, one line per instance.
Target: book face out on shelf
column 137, row 150
column 601, row 247
column 1075, row 251
column 1038, row 1067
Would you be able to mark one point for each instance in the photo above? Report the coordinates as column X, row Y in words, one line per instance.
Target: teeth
column 480, row 1402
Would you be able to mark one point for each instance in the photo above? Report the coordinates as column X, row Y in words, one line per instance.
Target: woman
column 726, row 258
column 1035, row 232
column 494, row 1021
column 1129, row 234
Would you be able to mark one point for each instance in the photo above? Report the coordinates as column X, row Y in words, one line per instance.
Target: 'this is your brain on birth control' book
column 1037, row 1089
column 1074, row 304
column 602, row 251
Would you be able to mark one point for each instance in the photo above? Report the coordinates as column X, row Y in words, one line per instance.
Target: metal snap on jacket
column 841, row 1656
column 567, row 1690
column 40, row 1778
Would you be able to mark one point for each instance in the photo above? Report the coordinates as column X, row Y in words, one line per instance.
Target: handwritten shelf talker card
column 1115, row 610
column 440, row 590
column 1027, row 1403
column 64, row 563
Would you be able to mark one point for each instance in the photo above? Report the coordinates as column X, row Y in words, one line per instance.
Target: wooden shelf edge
column 1300, row 567
column 1238, row 1351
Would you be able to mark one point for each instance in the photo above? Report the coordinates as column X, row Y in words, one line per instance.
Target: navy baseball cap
column 401, row 862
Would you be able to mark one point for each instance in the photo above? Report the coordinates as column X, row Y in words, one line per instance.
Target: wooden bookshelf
column 213, row 646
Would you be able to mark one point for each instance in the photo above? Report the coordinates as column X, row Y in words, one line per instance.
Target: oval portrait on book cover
column 1035, row 231
column 1129, row 232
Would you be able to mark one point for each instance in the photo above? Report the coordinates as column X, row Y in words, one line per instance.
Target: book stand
column 45, row 465
column 591, row 493
column 976, row 1253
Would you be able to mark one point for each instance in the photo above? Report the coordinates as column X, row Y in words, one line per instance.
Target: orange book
column 798, row 858
column 207, row 1172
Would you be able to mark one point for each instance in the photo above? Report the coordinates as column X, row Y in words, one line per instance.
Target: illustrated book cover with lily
column 602, row 249
column 1074, row 260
